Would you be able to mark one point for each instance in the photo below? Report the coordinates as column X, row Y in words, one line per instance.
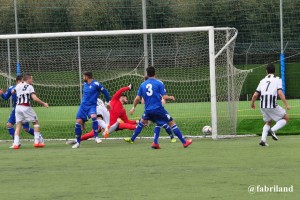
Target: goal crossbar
column 105, row 33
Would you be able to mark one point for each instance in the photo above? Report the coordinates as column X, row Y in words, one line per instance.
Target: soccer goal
column 195, row 63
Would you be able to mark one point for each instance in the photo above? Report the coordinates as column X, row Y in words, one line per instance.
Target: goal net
column 195, row 64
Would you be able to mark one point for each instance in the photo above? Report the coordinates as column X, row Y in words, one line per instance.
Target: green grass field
column 58, row 121
column 222, row 169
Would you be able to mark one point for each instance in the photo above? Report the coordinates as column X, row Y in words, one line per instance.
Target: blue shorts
column 85, row 112
column 159, row 116
column 12, row 119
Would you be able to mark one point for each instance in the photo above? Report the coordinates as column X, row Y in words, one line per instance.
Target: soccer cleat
column 75, row 146
column 98, row 140
column 106, row 132
column 187, row 143
column 71, row 142
column 173, row 140
column 272, row 133
column 128, row 140
column 155, row 146
column 263, row 144
column 15, row 146
column 38, row 145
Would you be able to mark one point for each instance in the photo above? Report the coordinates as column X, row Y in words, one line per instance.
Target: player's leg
column 30, row 116
column 16, row 144
column 81, row 117
column 174, row 127
column 88, row 135
column 10, row 124
column 169, row 131
column 95, row 127
column 138, row 129
column 19, row 117
column 266, row 127
column 279, row 115
column 28, row 129
column 78, row 132
column 127, row 126
column 37, row 133
column 156, row 131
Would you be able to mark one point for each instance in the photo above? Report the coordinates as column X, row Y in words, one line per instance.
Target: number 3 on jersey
column 149, row 89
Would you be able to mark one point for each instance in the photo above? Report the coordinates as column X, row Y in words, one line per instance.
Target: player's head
column 270, row 68
column 19, row 78
column 150, row 71
column 124, row 99
column 87, row 76
column 27, row 78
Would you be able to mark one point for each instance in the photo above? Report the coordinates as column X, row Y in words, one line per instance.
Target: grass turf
column 58, row 121
column 208, row 169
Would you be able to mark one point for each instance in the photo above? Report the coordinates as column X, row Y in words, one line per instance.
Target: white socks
column 17, row 140
column 279, row 124
column 36, row 137
column 264, row 134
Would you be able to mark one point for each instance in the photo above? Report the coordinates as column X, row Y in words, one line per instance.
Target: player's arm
column 106, row 94
column 167, row 97
column 283, row 99
column 163, row 93
column 254, row 97
column 135, row 102
column 36, row 99
column 119, row 93
column 6, row 95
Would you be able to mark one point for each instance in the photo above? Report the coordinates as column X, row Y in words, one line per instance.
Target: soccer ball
column 206, row 130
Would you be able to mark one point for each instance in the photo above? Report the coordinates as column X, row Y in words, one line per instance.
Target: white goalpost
column 195, row 63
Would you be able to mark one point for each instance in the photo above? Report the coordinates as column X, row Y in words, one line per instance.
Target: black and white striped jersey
column 268, row 89
column 24, row 91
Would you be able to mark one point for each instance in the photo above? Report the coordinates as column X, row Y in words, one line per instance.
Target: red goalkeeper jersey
column 117, row 109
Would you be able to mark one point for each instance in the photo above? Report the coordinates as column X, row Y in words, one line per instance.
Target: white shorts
column 105, row 114
column 274, row 114
column 25, row 114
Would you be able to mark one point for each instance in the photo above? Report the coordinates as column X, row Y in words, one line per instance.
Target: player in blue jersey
column 87, row 108
column 151, row 91
column 12, row 118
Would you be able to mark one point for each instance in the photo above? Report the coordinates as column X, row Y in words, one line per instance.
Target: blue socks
column 156, row 134
column 138, row 130
column 95, row 126
column 11, row 132
column 168, row 130
column 78, row 132
column 30, row 131
column 178, row 133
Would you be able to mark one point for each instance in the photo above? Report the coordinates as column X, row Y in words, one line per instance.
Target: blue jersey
column 8, row 94
column 152, row 90
column 91, row 92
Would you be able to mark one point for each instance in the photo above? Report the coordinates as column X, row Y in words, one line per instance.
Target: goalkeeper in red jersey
column 118, row 117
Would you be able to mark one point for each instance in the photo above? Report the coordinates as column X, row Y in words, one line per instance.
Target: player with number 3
column 151, row 91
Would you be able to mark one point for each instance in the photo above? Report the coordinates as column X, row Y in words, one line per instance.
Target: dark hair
column 19, row 78
column 26, row 76
column 146, row 78
column 88, row 74
column 150, row 71
column 270, row 68
column 123, row 95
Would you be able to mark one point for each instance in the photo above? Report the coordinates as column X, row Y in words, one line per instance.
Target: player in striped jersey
column 268, row 89
column 24, row 112
column 12, row 118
